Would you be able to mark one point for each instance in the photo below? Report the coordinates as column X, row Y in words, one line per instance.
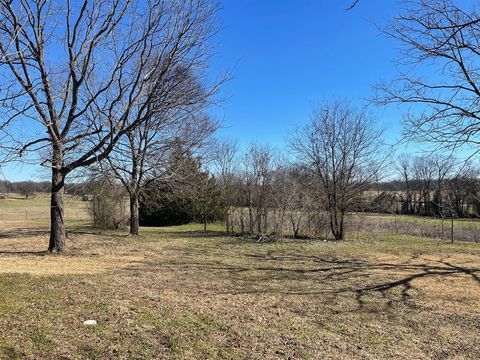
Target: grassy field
column 18, row 212
column 180, row 293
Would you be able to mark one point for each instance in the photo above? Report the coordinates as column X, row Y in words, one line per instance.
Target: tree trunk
column 250, row 219
column 205, row 223
column 294, row 228
column 134, row 216
column 227, row 221
column 57, row 225
column 451, row 229
column 336, row 223
column 258, row 218
column 242, row 223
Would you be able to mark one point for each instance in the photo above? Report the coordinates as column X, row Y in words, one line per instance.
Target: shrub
column 107, row 208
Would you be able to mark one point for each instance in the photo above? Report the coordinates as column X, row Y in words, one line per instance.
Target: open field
column 18, row 212
column 181, row 293
column 177, row 294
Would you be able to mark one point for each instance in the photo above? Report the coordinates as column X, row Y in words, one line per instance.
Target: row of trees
column 436, row 185
column 338, row 156
column 116, row 86
column 24, row 188
column 95, row 80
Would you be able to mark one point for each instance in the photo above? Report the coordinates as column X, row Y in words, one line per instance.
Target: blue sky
column 290, row 55
column 286, row 56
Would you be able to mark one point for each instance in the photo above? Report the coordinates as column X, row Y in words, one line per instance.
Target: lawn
column 181, row 293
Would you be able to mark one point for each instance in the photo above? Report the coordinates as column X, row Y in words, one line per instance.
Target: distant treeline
column 437, row 186
column 25, row 188
column 455, row 197
column 29, row 188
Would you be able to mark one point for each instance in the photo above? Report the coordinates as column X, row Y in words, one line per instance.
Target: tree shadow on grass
column 193, row 234
column 26, row 252
column 15, row 233
column 22, row 233
column 257, row 277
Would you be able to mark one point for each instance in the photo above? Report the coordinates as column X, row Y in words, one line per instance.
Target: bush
column 107, row 208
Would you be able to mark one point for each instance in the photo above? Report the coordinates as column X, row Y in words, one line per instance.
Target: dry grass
column 16, row 212
column 180, row 293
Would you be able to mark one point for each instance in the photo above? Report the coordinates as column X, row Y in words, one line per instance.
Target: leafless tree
column 258, row 170
column 443, row 169
column 176, row 118
column 107, row 205
column 226, row 167
column 423, row 179
column 204, row 197
column 341, row 148
column 424, row 172
column 406, row 194
column 291, row 198
column 438, row 73
column 78, row 76
column 26, row 189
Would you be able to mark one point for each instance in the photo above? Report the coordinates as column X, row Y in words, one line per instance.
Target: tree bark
column 451, row 229
column 336, row 224
column 134, row 215
column 57, row 225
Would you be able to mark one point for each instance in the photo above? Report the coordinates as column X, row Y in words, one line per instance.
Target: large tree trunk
column 134, row 215
column 57, row 225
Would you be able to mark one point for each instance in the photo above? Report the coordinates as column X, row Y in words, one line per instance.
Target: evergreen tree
column 183, row 193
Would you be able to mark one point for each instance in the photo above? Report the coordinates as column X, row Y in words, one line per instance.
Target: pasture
column 179, row 292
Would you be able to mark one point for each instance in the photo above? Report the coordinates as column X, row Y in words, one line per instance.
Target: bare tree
column 176, row 118
column 226, row 166
column 404, row 167
column 258, row 164
column 341, row 148
column 438, row 73
column 291, row 198
column 424, row 172
column 204, row 196
column 107, row 206
column 79, row 76
column 26, row 189
column 443, row 167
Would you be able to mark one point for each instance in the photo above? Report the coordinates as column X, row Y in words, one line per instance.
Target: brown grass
column 180, row 293
column 16, row 212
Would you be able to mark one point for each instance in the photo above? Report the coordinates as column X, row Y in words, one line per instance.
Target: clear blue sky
column 288, row 55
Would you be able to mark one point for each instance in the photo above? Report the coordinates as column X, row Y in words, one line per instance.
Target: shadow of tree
column 20, row 252
column 193, row 234
column 15, row 233
column 255, row 269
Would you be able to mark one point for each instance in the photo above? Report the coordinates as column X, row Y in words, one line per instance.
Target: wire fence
column 32, row 215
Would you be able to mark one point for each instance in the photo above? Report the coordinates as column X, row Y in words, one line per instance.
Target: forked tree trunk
column 336, row 224
column 134, row 214
column 57, row 225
